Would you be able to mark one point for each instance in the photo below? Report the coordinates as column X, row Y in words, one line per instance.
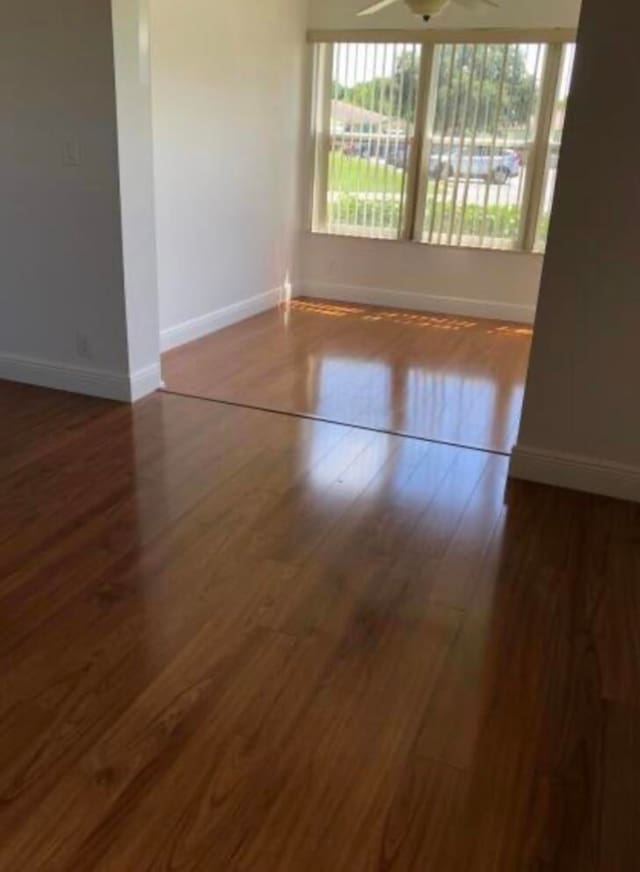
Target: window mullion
column 419, row 169
column 534, row 189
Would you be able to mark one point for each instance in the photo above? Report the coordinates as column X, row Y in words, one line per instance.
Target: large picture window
column 448, row 144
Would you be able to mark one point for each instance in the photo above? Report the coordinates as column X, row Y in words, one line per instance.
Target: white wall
column 493, row 284
column 581, row 424
column 342, row 14
column 63, row 318
column 227, row 102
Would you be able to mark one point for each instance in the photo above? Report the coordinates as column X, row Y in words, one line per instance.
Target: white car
column 492, row 165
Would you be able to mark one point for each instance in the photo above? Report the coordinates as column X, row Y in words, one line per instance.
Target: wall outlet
column 71, row 152
column 83, row 347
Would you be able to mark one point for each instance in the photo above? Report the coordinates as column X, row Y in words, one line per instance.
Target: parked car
column 397, row 155
column 483, row 162
column 372, row 148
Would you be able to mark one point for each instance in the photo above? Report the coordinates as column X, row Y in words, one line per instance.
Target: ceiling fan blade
column 377, row 7
column 477, row 4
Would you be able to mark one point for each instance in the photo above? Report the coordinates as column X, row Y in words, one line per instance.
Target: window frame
column 417, row 180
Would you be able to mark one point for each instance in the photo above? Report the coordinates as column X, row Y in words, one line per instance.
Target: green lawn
column 498, row 222
column 350, row 174
column 351, row 177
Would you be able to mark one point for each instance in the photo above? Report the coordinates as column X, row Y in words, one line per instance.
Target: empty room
column 320, row 439
column 427, row 175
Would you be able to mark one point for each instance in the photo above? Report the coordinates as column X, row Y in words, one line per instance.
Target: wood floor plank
column 244, row 641
column 433, row 376
column 524, row 681
column 354, row 571
column 203, row 691
column 158, row 487
column 35, row 422
column 357, row 716
column 617, row 812
column 414, row 826
column 102, row 612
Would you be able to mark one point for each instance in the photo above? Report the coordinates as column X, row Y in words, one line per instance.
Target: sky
column 355, row 62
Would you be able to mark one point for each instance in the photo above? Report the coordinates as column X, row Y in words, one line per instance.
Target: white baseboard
column 196, row 328
column 421, row 302
column 65, row 377
column 577, row 473
column 79, row 380
column 144, row 382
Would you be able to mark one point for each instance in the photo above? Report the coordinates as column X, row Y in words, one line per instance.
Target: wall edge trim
column 79, row 379
column 217, row 319
column 576, row 472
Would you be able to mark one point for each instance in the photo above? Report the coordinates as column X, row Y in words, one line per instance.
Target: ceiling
column 342, row 15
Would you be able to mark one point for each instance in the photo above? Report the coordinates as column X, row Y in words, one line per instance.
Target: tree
column 375, row 94
column 471, row 89
column 479, row 87
column 405, row 84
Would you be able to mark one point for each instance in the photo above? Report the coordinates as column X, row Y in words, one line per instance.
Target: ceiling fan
column 427, row 8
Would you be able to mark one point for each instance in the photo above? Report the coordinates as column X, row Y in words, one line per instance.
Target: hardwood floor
column 456, row 380
column 234, row 640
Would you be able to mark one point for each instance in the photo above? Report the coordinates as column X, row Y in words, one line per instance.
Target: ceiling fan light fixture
column 427, row 8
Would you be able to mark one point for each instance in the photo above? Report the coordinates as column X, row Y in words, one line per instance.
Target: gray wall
column 63, row 317
column 60, row 238
column 581, row 423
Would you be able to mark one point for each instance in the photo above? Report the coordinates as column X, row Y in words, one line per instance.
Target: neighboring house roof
column 344, row 113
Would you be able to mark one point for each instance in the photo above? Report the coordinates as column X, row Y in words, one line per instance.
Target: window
column 448, row 144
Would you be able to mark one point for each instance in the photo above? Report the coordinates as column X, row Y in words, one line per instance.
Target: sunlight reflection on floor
column 406, row 317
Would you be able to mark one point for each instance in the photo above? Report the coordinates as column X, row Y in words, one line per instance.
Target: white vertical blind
column 483, row 127
column 373, row 109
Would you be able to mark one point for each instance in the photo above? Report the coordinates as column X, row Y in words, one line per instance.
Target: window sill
column 416, row 242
